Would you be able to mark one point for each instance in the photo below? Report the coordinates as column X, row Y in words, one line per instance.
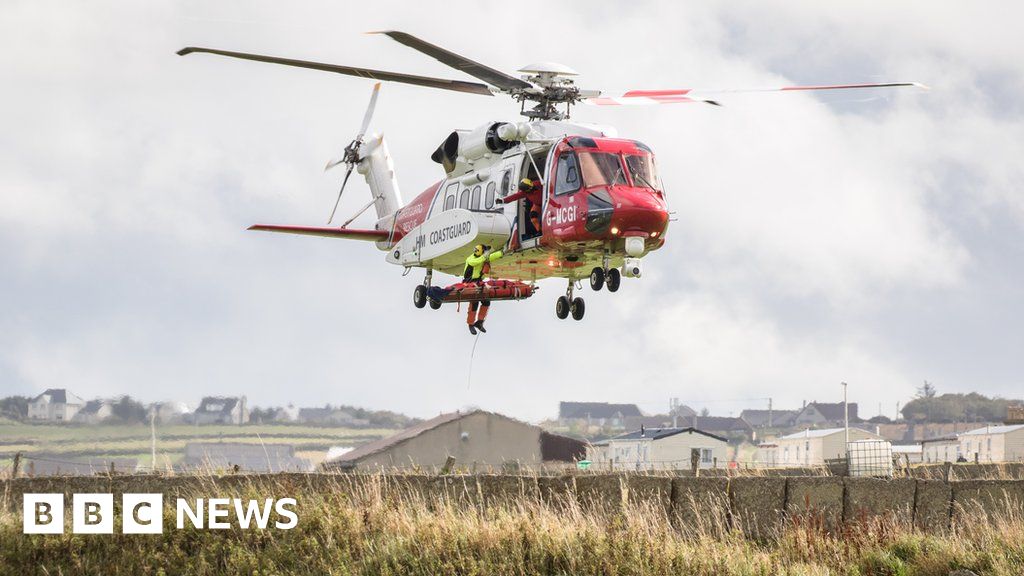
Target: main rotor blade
column 338, row 201
column 687, row 95
column 475, row 69
column 369, row 111
column 455, row 85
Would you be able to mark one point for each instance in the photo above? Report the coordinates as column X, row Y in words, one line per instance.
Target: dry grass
column 385, row 526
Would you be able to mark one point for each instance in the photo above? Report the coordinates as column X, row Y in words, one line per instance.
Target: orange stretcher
column 492, row 290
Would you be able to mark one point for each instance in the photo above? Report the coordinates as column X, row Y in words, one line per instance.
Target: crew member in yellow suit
column 478, row 265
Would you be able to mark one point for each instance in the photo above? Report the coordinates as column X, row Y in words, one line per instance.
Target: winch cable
column 469, row 377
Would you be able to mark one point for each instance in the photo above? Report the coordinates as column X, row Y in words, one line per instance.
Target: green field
column 72, row 441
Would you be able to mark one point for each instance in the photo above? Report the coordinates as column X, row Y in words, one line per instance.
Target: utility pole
column 846, row 417
column 769, row 412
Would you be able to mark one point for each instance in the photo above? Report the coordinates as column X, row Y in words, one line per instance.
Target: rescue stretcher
column 492, row 290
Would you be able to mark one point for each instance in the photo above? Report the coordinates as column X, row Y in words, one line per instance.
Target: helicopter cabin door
column 531, row 229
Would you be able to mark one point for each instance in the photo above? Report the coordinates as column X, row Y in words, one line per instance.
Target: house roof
column 833, row 410
column 217, row 405
column 813, row 433
column 371, row 448
column 720, row 423
column 596, row 410
column 760, row 417
column 656, row 421
column 994, row 430
column 56, row 395
column 659, row 433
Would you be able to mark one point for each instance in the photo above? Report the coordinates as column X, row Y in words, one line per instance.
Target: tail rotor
column 350, row 155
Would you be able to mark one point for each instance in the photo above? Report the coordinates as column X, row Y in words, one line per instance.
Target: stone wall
column 759, row 506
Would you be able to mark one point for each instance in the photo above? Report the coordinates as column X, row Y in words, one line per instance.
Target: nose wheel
column 613, row 280
column 566, row 305
column 604, row 275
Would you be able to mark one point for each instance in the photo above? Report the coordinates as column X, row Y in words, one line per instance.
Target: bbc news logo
column 143, row 513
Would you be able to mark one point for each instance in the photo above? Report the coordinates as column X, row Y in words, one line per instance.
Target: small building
column 596, row 414
column 769, row 418
column 476, row 439
column 941, row 449
column 814, row 447
column 659, row 449
column 247, row 457
column 825, row 414
column 994, row 444
column 94, row 412
column 221, row 410
column 54, row 405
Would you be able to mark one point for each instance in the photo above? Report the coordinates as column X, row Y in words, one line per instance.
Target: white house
column 55, row 405
column 994, row 444
column 814, row 447
column 658, row 449
column 942, row 449
column 221, row 410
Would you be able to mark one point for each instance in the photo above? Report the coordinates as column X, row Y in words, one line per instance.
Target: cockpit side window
column 464, row 199
column 567, row 174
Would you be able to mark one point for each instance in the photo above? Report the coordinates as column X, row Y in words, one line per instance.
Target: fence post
column 14, row 467
column 949, row 471
column 695, row 461
column 449, row 462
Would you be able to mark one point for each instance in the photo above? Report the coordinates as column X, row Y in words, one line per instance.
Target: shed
column 476, row 439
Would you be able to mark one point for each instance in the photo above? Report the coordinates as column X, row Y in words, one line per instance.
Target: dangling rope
column 469, row 377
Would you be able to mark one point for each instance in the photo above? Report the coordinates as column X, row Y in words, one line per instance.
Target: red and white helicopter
column 604, row 206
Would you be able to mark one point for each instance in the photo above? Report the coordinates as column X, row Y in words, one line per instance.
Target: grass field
column 133, row 441
column 345, row 530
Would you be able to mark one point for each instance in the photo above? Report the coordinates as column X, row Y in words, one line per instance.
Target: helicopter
column 603, row 208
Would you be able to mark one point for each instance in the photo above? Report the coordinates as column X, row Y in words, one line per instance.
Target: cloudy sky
column 868, row 238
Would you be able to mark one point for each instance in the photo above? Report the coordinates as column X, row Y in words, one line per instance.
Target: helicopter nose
column 639, row 213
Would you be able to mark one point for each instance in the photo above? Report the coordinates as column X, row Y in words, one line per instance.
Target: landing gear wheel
column 435, row 304
column 419, row 296
column 614, row 279
column 597, row 279
column 578, row 308
column 562, row 307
